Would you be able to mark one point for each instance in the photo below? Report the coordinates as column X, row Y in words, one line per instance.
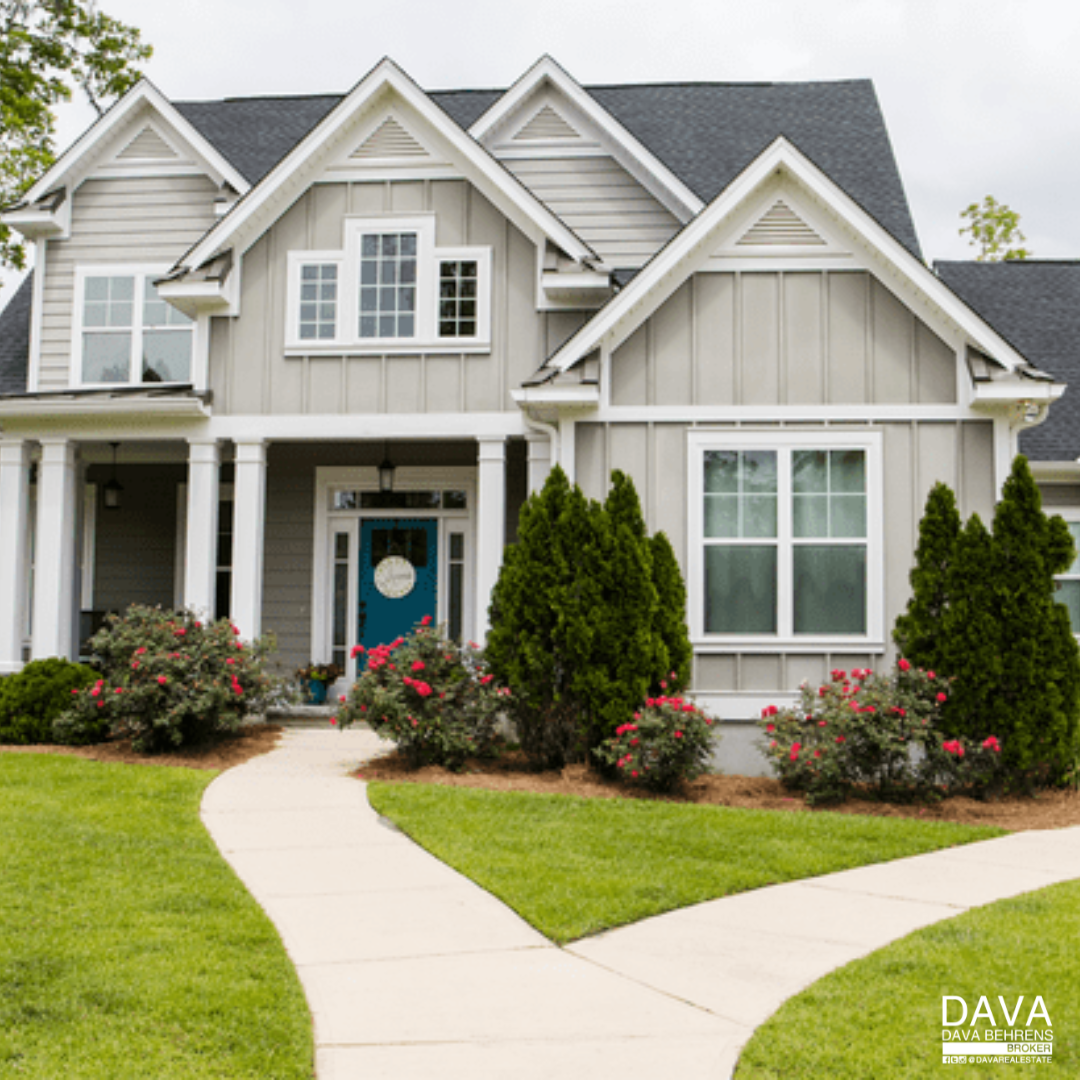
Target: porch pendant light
column 113, row 490
column 386, row 474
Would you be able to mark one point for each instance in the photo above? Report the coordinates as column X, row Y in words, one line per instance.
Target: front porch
column 281, row 537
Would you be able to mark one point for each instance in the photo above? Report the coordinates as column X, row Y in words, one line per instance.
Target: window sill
column 389, row 347
column 801, row 644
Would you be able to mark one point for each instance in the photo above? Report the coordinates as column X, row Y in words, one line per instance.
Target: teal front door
column 399, row 568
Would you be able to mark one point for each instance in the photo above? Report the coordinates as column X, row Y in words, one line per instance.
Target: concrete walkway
column 414, row 972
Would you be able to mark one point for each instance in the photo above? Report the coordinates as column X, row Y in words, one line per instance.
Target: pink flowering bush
column 168, row 679
column 431, row 696
column 877, row 730
column 668, row 741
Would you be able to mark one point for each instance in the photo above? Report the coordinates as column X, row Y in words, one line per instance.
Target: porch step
column 305, row 716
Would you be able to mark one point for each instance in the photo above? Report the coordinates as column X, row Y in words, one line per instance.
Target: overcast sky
column 979, row 97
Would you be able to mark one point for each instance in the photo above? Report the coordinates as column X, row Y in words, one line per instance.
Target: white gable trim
column 639, row 161
column 82, row 156
column 690, row 250
column 386, row 81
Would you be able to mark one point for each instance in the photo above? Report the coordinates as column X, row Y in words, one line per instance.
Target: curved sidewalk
column 412, row 971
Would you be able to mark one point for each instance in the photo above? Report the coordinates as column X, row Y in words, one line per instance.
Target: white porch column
column 249, row 527
column 490, row 526
column 539, row 447
column 200, row 543
column 54, row 556
column 14, row 529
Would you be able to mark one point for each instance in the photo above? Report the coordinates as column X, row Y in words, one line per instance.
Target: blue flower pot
column 316, row 691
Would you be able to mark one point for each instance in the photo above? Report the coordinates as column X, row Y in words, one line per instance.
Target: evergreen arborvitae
column 629, row 657
column 671, row 611
column 917, row 632
column 967, row 643
column 1039, row 692
column 528, row 646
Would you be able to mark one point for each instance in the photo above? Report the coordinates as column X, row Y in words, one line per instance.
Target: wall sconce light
column 113, row 490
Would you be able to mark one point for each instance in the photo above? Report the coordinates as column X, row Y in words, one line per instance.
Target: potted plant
column 315, row 678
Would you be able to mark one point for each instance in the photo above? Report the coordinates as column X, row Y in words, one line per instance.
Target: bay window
column 785, row 538
column 389, row 289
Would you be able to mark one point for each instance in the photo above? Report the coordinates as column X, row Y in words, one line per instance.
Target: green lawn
column 881, row 1016
column 128, row 949
column 573, row 867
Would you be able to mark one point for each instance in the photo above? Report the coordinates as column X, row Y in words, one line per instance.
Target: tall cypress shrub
column 918, row 631
column 1039, row 691
column 670, row 620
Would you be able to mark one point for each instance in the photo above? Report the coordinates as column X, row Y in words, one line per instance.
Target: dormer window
column 125, row 332
column 389, row 290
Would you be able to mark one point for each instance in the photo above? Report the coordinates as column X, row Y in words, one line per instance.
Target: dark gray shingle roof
column 705, row 133
column 1035, row 305
column 15, row 339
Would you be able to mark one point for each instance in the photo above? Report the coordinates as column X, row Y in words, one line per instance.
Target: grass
column 128, row 948
column 881, row 1016
column 573, row 867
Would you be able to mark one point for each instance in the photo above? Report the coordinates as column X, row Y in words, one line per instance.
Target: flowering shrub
column 878, row 730
column 669, row 741
column 431, row 696
column 168, row 679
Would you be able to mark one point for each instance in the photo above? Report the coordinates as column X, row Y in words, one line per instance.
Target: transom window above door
column 389, row 289
column 125, row 332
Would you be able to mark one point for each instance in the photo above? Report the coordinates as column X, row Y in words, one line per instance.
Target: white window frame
column 429, row 259
column 1071, row 516
column 785, row 442
column 141, row 273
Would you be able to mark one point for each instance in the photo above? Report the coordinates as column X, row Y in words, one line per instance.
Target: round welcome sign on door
column 395, row 577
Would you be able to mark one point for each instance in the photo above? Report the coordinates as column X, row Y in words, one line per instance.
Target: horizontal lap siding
column 610, row 210
column 123, row 220
column 251, row 374
column 916, row 456
column 799, row 338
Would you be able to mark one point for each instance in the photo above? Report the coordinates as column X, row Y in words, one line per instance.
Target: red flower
column 95, row 691
column 822, row 723
column 180, row 632
column 942, row 698
column 333, row 721
column 356, row 651
column 678, row 734
column 418, row 665
column 841, row 739
column 837, row 674
column 140, row 650
column 931, row 675
column 817, row 753
column 426, row 620
column 162, row 680
column 795, row 748
column 772, row 745
column 903, row 665
column 485, row 679
column 770, row 728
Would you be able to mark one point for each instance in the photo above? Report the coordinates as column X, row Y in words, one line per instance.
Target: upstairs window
column 390, row 289
column 126, row 333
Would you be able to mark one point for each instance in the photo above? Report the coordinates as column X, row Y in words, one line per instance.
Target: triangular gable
column 142, row 128
column 726, row 216
column 389, row 141
column 547, row 124
column 525, row 102
column 386, row 86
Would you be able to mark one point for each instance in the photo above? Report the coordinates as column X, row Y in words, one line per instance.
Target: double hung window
column 126, row 333
column 1069, row 583
column 786, row 537
column 389, row 288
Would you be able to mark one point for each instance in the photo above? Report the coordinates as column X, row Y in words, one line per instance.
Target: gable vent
column 546, row 124
column 148, row 145
column 389, row 140
column 781, row 226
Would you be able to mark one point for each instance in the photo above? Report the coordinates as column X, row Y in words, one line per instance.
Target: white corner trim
column 37, row 314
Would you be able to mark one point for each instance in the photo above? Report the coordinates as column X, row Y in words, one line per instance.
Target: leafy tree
column 47, row 48
column 918, row 631
column 994, row 229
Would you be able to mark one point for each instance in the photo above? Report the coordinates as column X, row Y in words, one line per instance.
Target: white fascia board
column 195, row 298
column 673, row 263
column 1009, row 390
column 142, row 93
column 587, row 395
column 510, row 194
column 34, row 224
column 43, row 408
column 679, row 198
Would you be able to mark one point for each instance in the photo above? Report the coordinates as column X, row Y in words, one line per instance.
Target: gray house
column 319, row 350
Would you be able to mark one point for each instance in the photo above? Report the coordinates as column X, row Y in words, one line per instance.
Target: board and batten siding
column 917, row 454
column 148, row 220
column 607, row 207
column 785, row 338
column 250, row 373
